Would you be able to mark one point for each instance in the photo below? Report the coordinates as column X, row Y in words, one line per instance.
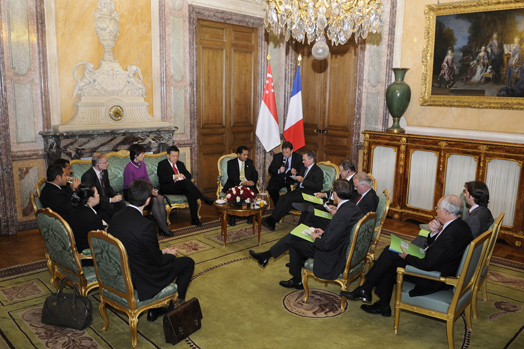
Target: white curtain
column 459, row 170
column 502, row 179
column 384, row 161
column 422, row 176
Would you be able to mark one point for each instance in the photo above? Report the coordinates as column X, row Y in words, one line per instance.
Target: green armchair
column 115, row 284
column 358, row 247
column 447, row 304
column 63, row 260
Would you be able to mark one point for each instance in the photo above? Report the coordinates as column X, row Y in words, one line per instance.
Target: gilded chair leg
column 199, row 205
column 168, row 210
column 474, row 301
column 467, row 313
column 306, row 288
column 102, row 311
column 397, row 318
column 133, row 324
column 449, row 325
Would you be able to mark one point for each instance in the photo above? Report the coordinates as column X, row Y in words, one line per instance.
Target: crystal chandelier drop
column 336, row 19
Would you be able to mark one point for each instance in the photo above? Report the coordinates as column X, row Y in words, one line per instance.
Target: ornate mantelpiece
column 79, row 144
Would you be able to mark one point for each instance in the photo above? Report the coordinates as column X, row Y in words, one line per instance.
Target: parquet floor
column 27, row 246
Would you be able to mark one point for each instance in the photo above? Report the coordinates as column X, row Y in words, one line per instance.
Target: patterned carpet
column 243, row 306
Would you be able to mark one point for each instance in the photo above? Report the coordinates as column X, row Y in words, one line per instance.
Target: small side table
column 226, row 210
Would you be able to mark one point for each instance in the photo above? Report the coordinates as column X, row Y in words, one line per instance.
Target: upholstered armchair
column 481, row 283
column 447, row 304
column 358, row 247
column 222, row 174
column 115, row 284
column 63, row 260
column 382, row 213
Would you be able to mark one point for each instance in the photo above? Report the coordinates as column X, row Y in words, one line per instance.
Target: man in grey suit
column 328, row 251
column 479, row 217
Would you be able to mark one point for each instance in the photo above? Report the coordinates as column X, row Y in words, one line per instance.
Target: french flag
column 267, row 124
column 294, row 129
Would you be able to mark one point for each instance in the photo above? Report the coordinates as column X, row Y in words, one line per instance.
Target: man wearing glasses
column 110, row 201
column 367, row 199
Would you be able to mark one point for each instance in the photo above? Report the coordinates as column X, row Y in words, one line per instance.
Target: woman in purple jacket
column 136, row 169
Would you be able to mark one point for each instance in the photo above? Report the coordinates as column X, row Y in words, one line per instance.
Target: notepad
column 302, row 231
column 411, row 249
column 323, row 214
column 312, row 198
column 424, row 233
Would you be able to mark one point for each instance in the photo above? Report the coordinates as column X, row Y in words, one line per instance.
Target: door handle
column 325, row 131
column 318, row 131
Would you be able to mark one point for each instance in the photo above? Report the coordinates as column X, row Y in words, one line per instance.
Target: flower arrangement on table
column 240, row 194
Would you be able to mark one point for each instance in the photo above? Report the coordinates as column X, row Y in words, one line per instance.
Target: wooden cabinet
column 419, row 170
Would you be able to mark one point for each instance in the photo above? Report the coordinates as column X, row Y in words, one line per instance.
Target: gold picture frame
column 458, row 91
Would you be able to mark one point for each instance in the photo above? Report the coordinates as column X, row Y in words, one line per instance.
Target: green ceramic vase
column 398, row 95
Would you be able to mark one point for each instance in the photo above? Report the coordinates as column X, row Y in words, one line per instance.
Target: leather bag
column 67, row 309
column 181, row 322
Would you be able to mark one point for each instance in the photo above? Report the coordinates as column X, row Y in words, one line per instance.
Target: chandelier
column 336, row 19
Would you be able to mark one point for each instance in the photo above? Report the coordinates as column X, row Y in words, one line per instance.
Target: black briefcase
column 181, row 322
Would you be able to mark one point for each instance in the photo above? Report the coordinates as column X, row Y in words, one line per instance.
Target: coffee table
column 226, row 210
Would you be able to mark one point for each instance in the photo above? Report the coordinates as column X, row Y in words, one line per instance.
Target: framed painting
column 472, row 56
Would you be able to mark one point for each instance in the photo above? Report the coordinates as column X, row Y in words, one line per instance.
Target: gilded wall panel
column 19, row 41
column 26, row 174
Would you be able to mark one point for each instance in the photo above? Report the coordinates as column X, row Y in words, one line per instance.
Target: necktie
column 243, row 172
column 102, row 186
column 175, row 169
column 358, row 199
column 305, row 175
column 286, row 166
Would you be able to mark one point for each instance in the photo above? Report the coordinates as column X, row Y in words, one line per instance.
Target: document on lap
column 303, row 231
column 411, row 249
column 424, row 233
column 312, row 198
column 323, row 214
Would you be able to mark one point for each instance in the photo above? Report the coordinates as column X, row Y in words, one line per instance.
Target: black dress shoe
column 258, row 257
column 231, row 221
column 288, row 265
column 377, row 309
column 153, row 314
column 208, row 201
column 358, row 293
column 291, row 284
column 266, row 223
column 168, row 233
column 196, row 222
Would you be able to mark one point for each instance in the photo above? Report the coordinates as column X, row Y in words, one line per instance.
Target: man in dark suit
column 110, row 201
column 450, row 237
column 241, row 171
column 367, row 199
column 66, row 165
column 151, row 268
column 347, row 171
column 174, row 178
column 311, row 180
column 54, row 195
column 479, row 217
column 328, row 251
column 283, row 166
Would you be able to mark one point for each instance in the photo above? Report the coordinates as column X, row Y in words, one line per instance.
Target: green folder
column 411, row 249
column 312, row 198
column 298, row 231
column 323, row 214
column 423, row 233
